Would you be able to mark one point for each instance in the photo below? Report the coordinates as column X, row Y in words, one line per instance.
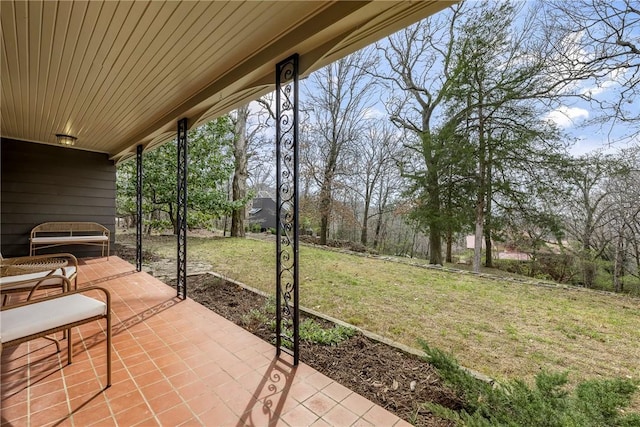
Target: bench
column 40, row 317
column 51, row 234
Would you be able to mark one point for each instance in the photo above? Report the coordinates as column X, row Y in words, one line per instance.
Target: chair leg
column 108, row 349
column 69, row 351
column 55, row 340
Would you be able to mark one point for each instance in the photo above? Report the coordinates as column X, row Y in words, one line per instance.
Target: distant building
column 263, row 212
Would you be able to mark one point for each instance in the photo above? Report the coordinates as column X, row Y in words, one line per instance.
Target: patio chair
column 40, row 317
column 31, row 273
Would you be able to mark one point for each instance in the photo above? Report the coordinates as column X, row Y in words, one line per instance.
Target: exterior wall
column 42, row 183
column 266, row 217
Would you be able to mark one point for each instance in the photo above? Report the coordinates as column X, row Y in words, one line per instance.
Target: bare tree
column 239, row 185
column 596, row 42
column 336, row 100
column 419, row 74
column 374, row 158
column 248, row 142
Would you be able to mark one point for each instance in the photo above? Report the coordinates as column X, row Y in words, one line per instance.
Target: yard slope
column 499, row 328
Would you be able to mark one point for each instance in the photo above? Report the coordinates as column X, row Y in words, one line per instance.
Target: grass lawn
column 501, row 329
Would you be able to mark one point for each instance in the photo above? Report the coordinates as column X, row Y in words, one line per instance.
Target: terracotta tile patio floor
column 174, row 363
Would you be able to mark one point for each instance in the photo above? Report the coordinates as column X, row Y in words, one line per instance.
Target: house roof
column 119, row 74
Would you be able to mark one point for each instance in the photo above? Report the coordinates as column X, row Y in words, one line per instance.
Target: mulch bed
column 395, row 380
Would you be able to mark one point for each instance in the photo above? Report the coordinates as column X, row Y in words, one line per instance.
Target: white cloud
column 591, row 143
column 614, row 78
column 374, row 113
column 565, row 117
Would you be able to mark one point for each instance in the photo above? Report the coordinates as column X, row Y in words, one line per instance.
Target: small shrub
column 312, row 331
column 254, row 317
column 548, row 403
column 512, row 266
column 558, row 267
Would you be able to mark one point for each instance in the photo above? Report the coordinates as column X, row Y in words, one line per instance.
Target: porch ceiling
column 119, row 74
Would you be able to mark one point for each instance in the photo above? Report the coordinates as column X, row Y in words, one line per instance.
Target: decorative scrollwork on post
column 181, row 283
column 139, row 207
column 287, row 167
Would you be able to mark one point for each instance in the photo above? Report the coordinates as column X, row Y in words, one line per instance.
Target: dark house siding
column 266, row 213
column 42, row 183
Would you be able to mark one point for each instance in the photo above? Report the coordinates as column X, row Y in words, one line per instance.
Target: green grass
column 501, row 329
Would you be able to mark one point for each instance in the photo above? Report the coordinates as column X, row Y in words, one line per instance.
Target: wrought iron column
column 181, row 282
column 139, row 207
column 287, row 277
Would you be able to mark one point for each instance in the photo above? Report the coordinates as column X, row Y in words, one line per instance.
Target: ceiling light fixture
column 65, row 139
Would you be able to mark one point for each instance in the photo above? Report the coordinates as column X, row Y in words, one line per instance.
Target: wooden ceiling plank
column 35, row 28
column 126, row 62
column 8, row 120
column 168, row 85
column 95, row 32
column 171, row 57
column 143, row 64
column 171, row 84
column 62, row 16
column 47, row 37
column 72, row 88
column 21, row 11
column 63, row 123
column 123, row 24
column 128, row 96
column 9, row 69
column 103, row 34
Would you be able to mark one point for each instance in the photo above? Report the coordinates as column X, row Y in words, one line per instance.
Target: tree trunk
column 365, row 222
column 325, row 211
column 239, row 185
column 376, row 237
column 433, row 208
column 618, row 263
column 173, row 219
column 477, row 243
column 325, row 198
column 481, row 183
column 488, row 249
column 488, row 255
column 449, row 252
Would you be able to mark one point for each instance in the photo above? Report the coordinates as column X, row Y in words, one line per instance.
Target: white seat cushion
column 40, row 316
column 57, row 239
column 32, row 278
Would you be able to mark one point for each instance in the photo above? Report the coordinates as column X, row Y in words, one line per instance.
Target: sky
column 574, row 116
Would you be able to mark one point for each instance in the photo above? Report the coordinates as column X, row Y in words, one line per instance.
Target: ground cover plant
column 547, row 403
column 501, row 329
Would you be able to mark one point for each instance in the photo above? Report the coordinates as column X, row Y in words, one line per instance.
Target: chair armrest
column 37, row 284
column 72, row 261
column 51, row 297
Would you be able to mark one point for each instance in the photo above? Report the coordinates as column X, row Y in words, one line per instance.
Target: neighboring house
column 263, row 212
